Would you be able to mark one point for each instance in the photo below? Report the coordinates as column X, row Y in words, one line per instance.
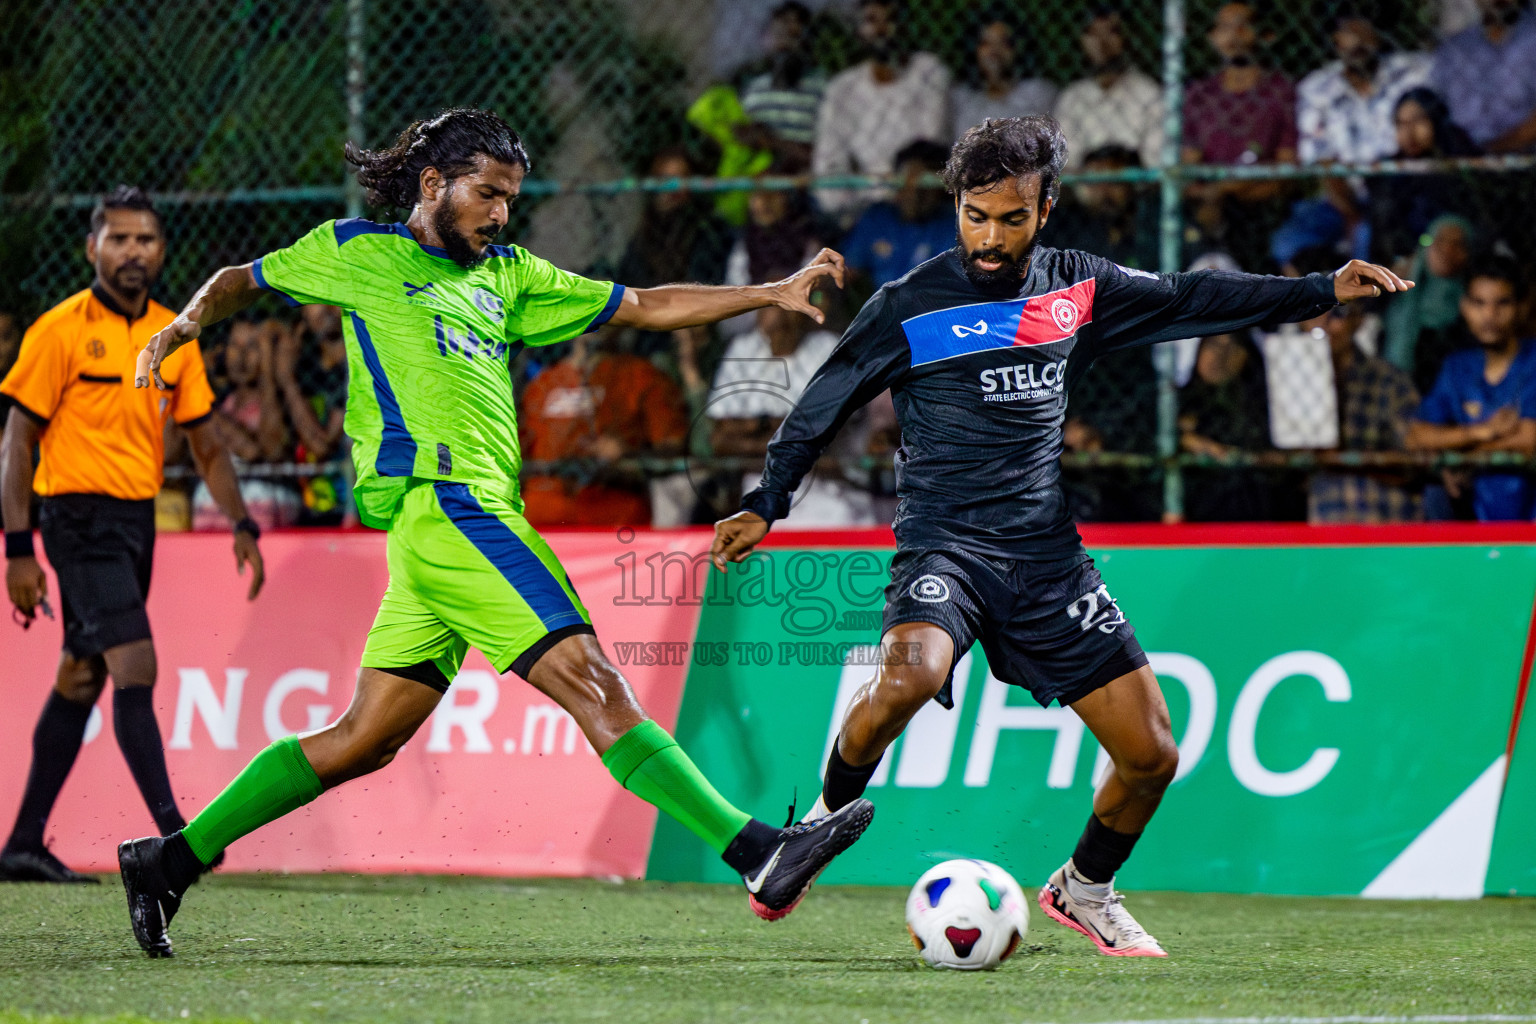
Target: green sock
column 278, row 780
column 651, row 765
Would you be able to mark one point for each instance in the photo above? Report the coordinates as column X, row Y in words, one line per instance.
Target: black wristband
column 248, row 525
column 18, row 544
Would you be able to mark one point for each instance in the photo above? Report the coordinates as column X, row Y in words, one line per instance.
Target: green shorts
column 466, row 570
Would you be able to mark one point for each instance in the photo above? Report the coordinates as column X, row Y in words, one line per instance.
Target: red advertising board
column 499, row 780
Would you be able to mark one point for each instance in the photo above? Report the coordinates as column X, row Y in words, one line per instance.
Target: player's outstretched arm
column 1358, row 279
column 736, row 537
column 1136, row 308
column 222, row 295
column 673, row 306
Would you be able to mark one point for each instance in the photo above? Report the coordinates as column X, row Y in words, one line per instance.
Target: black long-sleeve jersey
column 980, row 386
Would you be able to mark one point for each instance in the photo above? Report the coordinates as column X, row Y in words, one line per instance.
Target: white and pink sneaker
column 1094, row 909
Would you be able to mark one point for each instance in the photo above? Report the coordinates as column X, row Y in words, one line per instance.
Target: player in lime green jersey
column 433, row 313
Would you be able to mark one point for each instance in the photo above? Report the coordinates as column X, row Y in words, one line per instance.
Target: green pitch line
column 412, row 950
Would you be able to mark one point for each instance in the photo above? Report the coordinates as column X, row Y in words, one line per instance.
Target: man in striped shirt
column 1344, row 110
column 782, row 97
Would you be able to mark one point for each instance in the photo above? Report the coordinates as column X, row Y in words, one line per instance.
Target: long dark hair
column 449, row 142
column 1451, row 139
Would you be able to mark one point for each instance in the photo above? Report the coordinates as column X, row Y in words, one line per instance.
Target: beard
column 1362, row 62
column 1113, row 66
column 1005, row 280
column 456, row 244
column 885, row 51
column 787, row 68
column 1505, row 13
column 131, row 279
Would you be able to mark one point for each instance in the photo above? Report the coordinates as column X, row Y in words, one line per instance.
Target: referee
column 103, row 454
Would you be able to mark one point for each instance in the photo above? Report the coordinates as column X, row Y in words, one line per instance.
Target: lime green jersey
column 429, row 346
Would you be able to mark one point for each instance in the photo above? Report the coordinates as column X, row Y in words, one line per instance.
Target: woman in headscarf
column 1224, row 410
column 1421, row 323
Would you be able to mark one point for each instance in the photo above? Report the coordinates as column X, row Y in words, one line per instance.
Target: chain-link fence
column 723, row 140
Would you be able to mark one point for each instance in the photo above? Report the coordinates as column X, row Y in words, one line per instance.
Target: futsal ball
column 967, row 915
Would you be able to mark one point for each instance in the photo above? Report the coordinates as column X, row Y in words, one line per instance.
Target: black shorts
column 102, row 549
column 1051, row 627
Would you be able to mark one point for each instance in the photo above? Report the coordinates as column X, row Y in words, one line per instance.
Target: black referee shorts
column 102, row 549
column 1050, row 627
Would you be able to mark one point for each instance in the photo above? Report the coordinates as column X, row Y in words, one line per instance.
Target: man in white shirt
column 761, row 376
column 876, row 107
column 1344, row 110
column 1116, row 104
column 995, row 89
column 1346, row 113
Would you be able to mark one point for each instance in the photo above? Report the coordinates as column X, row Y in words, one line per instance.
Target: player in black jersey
column 980, row 347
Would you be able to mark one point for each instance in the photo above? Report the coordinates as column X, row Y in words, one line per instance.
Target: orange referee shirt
column 74, row 376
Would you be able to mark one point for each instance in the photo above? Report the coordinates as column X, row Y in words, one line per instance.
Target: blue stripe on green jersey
column 504, row 549
column 355, row 227
column 397, row 448
column 261, row 282
column 609, row 308
column 352, row 227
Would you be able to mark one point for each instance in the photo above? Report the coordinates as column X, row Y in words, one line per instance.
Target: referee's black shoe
column 39, row 865
column 151, row 902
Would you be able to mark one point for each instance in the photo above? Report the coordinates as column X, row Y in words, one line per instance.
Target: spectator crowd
column 616, row 425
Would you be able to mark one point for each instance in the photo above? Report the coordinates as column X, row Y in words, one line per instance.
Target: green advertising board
column 1512, row 865
column 1341, row 713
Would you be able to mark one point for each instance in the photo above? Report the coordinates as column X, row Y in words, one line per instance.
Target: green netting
column 234, row 116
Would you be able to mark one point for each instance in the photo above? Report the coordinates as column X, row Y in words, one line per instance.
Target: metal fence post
column 356, row 80
column 1170, row 246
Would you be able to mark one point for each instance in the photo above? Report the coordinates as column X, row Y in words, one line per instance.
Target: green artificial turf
column 414, row 949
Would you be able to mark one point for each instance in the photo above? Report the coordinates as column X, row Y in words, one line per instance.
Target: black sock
column 179, row 864
column 1101, row 850
column 55, row 743
column 138, row 735
column 750, row 846
column 845, row 783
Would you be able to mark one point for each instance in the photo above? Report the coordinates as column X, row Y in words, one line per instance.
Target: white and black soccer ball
column 967, row 915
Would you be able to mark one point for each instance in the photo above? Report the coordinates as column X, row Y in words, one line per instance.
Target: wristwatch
column 248, row 525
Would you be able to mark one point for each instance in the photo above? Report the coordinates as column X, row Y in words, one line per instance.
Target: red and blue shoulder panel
column 978, row 327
